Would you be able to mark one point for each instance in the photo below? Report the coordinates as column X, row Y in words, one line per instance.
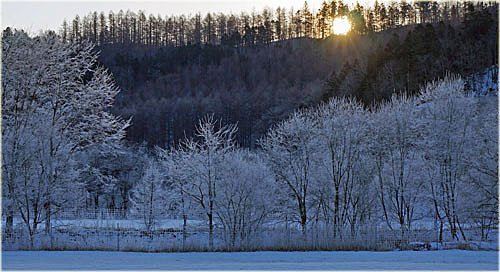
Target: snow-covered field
column 319, row 260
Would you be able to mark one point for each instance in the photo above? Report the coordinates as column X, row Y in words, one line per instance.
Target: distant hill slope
column 166, row 90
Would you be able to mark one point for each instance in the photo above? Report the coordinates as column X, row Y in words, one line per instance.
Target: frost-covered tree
column 377, row 152
column 341, row 129
column 129, row 164
column 447, row 136
column 109, row 172
column 482, row 158
column 149, row 196
column 243, row 201
column 176, row 168
column 63, row 96
column 207, row 154
column 18, row 107
column 399, row 178
column 290, row 151
column 241, row 204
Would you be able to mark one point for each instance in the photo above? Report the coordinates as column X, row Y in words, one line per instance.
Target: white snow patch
column 319, row 260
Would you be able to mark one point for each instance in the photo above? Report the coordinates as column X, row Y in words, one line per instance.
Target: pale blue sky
column 35, row 15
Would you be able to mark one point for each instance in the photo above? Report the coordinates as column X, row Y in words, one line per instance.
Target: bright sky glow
column 341, row 25
column 33, row 16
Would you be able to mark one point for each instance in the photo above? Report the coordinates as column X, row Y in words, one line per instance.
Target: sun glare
column 341, row 25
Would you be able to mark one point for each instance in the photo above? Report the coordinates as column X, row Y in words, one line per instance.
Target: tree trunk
column 461, row 230
column 453, row 231
column 303, row 220
column 210, row 230
column 96, row 204
column 336, row 213
column 124, row 202
column 382, row 195
column 9, row 220
column 47, row 217
column 184, row 219
column 233, row 237
column 32, row 239
column 304, row 229
column 441, row 232
column 184, row 229
column 9, row 223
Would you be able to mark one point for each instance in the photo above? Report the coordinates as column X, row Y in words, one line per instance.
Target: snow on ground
column 319, row 260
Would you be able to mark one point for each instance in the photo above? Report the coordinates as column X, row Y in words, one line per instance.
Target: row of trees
column 55, row 103
column 430, row 158
column 259, row 28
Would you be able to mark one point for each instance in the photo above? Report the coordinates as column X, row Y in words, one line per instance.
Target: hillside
column 167, row 89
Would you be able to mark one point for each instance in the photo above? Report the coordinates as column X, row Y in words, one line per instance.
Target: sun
column 341, row 25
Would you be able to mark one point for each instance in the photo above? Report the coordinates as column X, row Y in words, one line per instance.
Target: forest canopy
column 255, row 69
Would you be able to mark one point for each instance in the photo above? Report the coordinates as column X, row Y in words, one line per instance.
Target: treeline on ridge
column 262, row 27
column 169, row 82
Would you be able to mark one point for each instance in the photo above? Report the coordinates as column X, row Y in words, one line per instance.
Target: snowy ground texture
column 319, row 260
